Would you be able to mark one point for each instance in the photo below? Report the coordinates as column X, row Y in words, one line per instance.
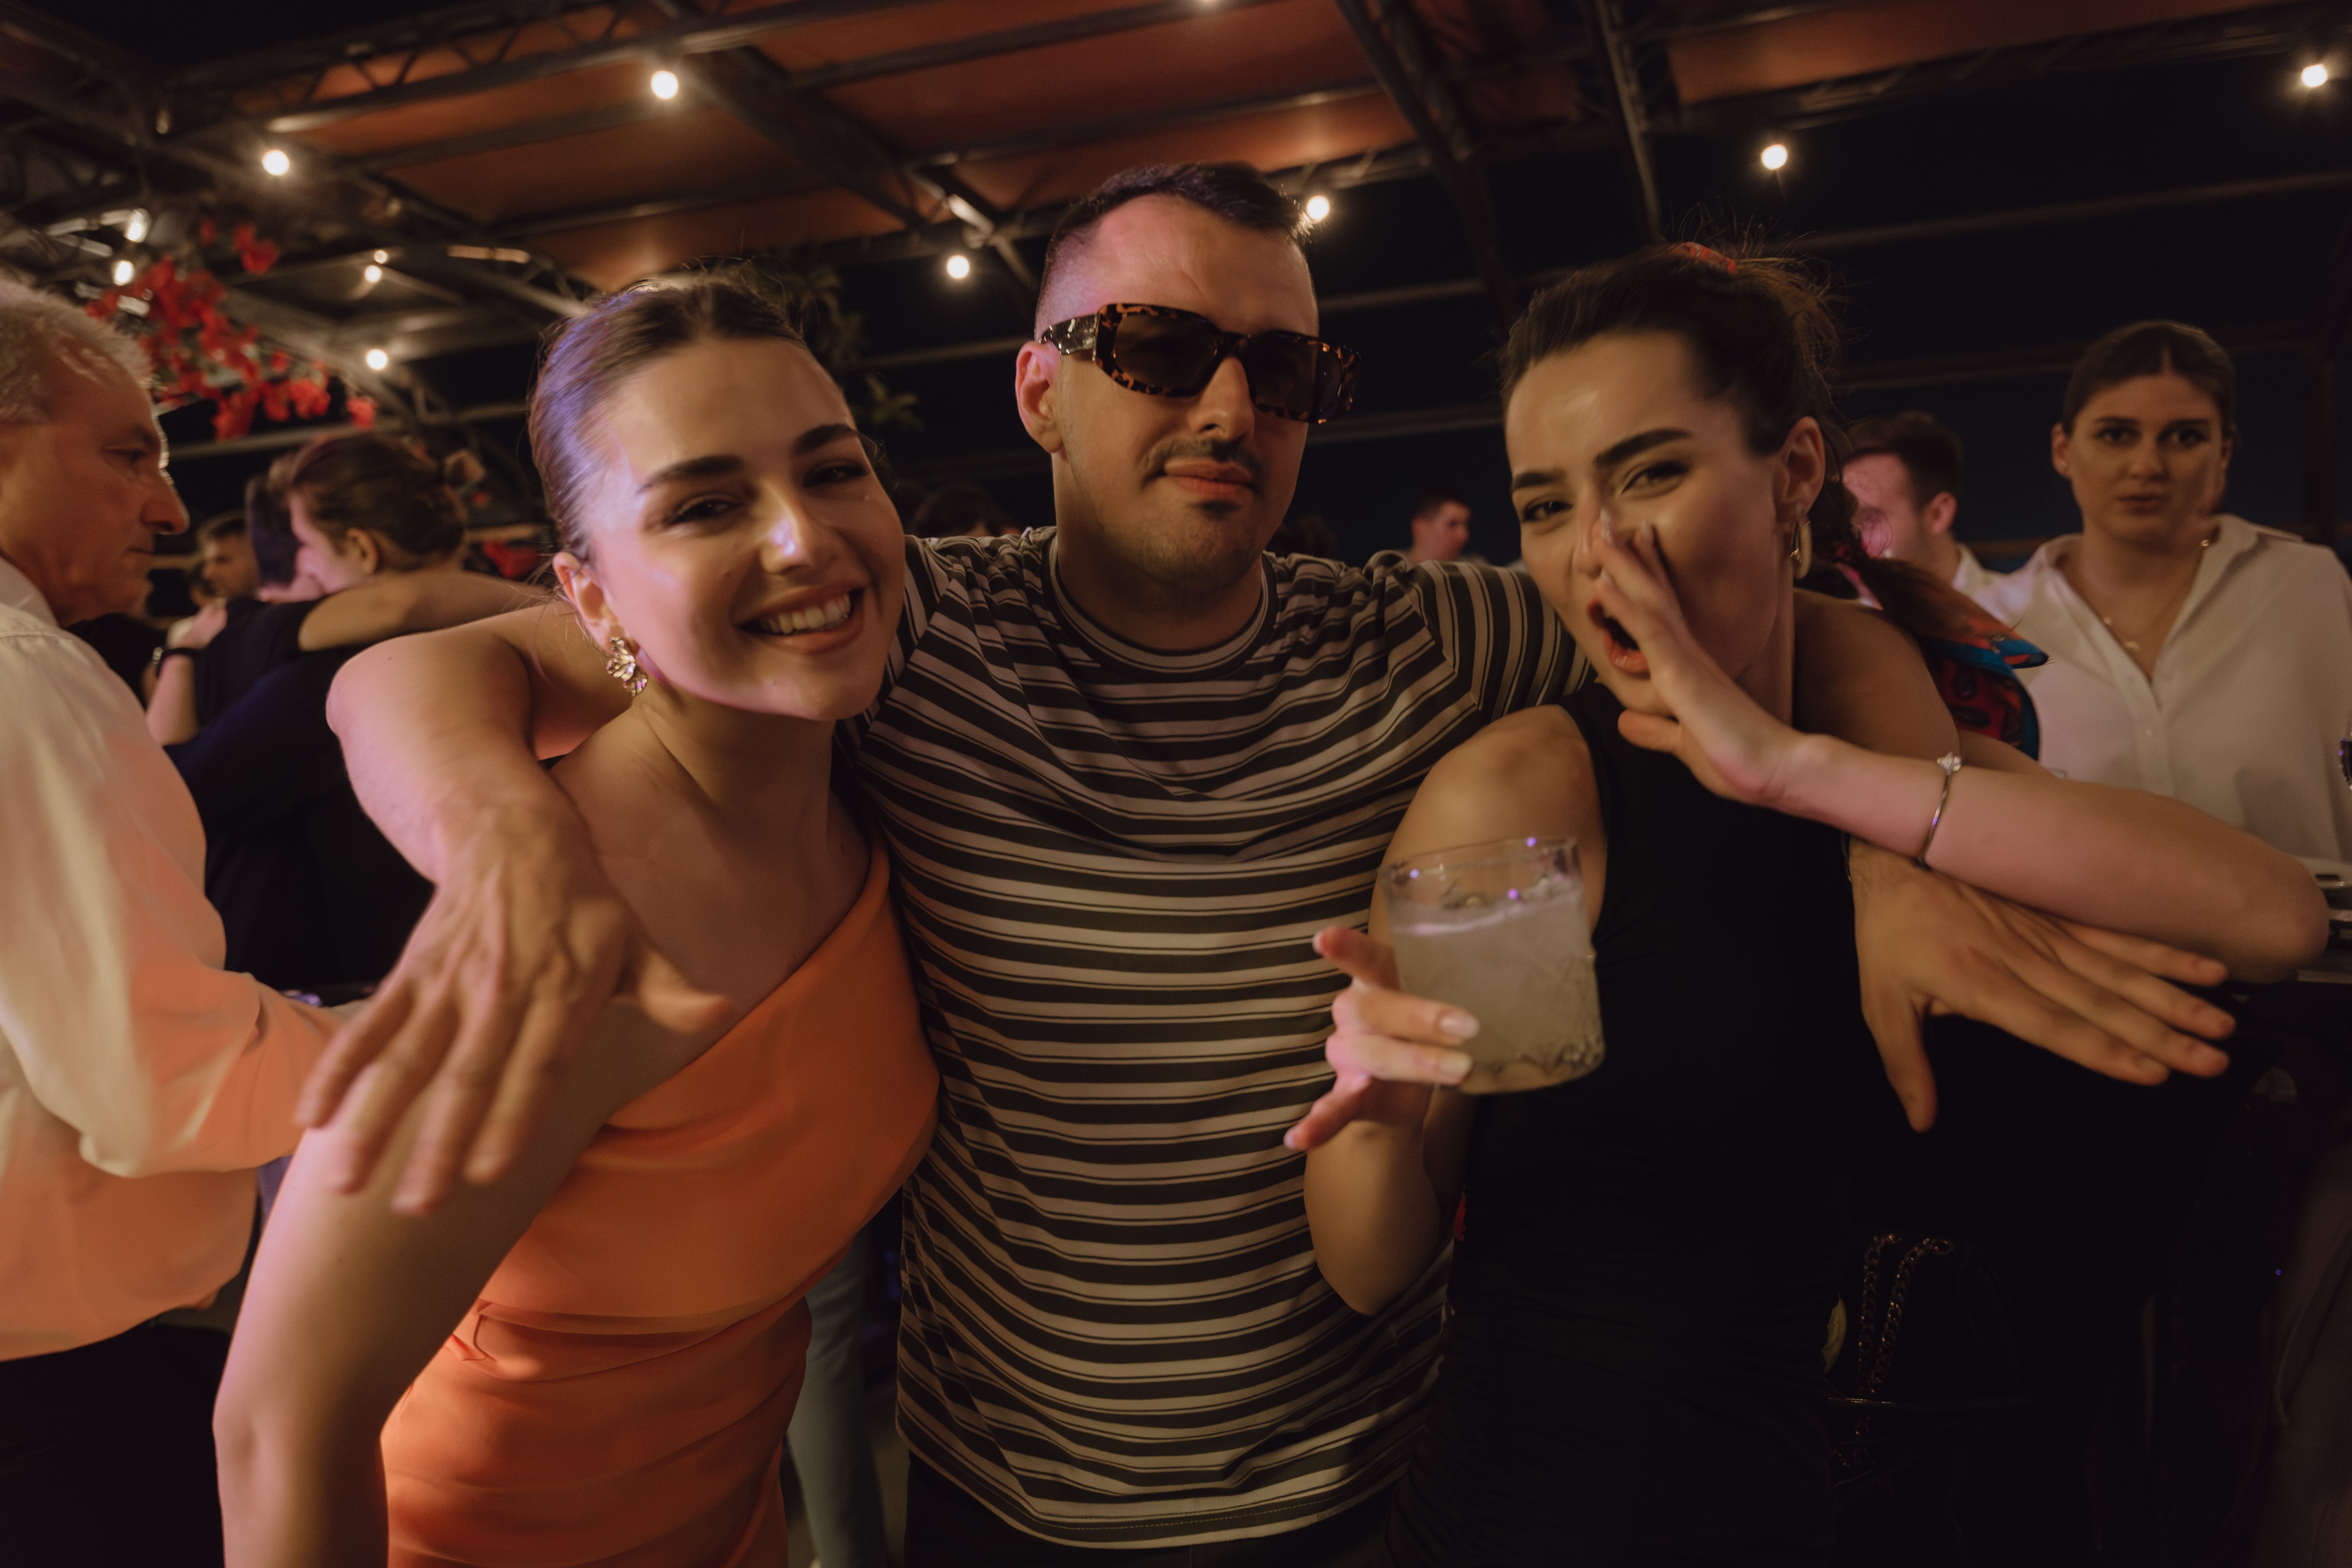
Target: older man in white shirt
column 139, row 1085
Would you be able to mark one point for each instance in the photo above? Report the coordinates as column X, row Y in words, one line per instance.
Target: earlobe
column 2059, row 452
column 1035, row 395
column 587, row 596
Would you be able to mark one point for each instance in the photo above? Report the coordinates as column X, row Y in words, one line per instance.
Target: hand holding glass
column 1499, row 930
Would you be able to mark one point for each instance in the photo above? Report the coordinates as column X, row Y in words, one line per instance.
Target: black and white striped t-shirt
column 1110, row 863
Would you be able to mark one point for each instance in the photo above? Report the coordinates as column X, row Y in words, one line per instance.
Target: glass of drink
column 1499, row 931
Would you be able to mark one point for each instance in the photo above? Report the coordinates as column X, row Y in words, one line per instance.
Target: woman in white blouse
column 2191, row 653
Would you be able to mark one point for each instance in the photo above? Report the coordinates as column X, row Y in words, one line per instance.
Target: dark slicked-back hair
column 1928, row 449
column 1234, row 191
column 2152, row 348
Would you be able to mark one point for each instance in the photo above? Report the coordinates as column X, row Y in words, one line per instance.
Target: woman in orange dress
column 594, row 1360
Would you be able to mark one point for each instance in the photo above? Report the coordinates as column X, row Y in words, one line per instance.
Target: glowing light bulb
column 123, row 272
column 665, row 84
column 276, row 162
column 1775, row 156
column 2314, row 75
column 959, row 267
column 381, row 257
column 1318, row 207
column 372, row 273
column 135, row 229
column 377, row 359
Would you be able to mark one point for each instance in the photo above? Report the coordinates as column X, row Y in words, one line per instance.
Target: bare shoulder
column 1839, row 628
column 1861, row 678
column 1527, row 774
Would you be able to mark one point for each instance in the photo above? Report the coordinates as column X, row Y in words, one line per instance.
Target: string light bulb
column 1318, row 207
column 377, row 359
column 381, row 257
column 2314, row 74
column 276, row 162
column 958, row 267
column 123, row 272
column 1776, row 157
column 665, row 84
column 134, row 228
column 372, row 273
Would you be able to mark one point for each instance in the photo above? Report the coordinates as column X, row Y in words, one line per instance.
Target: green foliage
column 808, row 288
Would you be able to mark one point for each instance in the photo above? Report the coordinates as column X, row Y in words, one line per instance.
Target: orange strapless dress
column 618, row 1394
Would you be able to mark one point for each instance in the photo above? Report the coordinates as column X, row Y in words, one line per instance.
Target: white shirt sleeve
column 113, row 1000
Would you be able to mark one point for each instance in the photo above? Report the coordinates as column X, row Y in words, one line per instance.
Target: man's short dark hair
column 221, row 525
column 1434, row 496
column 1234, row 191
column 1928, row 449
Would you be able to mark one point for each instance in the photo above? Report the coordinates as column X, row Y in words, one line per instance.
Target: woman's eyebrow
column 1535, row 477
column 823, row 436
column 708, row 468
column 1634, row 446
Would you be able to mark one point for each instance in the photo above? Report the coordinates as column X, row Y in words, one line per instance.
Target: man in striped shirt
column 1125, row 767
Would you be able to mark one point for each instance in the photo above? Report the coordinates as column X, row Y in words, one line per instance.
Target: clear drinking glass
column 1499, row 930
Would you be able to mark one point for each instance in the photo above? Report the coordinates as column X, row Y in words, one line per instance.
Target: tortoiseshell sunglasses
column 1168, row 353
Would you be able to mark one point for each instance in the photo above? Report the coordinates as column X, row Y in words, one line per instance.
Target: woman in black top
column 1641, row 1298
column 312, row 896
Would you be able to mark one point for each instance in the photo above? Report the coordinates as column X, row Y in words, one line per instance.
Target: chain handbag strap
column 1874, row 1347
column 1896, row 1293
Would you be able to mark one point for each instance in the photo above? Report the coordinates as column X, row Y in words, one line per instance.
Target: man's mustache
column 1235, row 452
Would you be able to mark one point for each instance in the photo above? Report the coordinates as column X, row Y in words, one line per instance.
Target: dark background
column 2253, row 268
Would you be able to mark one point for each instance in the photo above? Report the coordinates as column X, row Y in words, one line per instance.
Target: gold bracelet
column 1951, row 763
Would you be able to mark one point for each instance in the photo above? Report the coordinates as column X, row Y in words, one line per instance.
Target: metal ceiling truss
column 1605, row 23
column 1384, row 31
column 113, row 139
column 599, row 35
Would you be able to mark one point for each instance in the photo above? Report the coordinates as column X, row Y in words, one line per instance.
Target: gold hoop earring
column 622, row 665
column 1800, row 550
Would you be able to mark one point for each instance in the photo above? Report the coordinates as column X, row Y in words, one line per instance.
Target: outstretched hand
column 1929, row 945
column 1688, row 706
column 516, row 954
column 1388, row 1048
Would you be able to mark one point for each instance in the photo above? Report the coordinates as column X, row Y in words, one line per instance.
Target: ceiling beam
column 2271, row 29
column 795, row 182
column 2086, row 210
column 1015, row 40
column 1606, row 21
column 1120, row 126
column 499, row 138
column 1556, row 51
column 693, row 33
column 1383, row 30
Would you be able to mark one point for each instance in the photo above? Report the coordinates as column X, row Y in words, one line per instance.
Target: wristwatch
column 156, row 662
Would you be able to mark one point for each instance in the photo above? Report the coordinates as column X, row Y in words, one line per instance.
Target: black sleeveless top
column 1633, row 1366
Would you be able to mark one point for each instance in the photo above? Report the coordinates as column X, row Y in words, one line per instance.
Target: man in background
column 1441, row 526
column 225, row 560
column 1906, row 474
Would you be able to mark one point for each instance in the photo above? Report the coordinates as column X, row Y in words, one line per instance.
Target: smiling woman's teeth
column 815, row 618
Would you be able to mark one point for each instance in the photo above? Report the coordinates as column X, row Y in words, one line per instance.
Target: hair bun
column 461, row 471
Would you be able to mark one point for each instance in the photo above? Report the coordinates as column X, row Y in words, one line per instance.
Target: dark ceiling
column 1992, row 181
